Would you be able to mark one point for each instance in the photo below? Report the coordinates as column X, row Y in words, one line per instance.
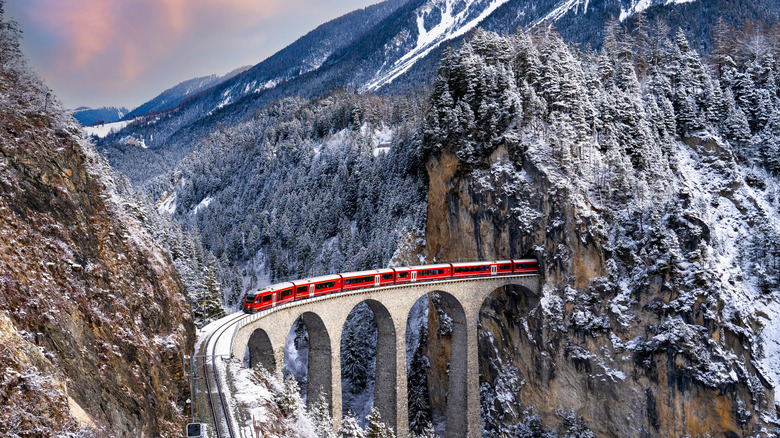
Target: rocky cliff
column 93, row 319
column 658, row 315
column 613, row 349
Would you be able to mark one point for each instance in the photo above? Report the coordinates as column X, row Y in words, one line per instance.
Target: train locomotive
column 286, row 292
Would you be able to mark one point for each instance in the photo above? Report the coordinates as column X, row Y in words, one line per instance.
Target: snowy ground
column 219, row 344
column 101, row 131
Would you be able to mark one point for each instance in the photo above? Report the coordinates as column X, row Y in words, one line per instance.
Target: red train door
column 493, row 269
column 376, row 280
column 414, row 275
column 311, row 290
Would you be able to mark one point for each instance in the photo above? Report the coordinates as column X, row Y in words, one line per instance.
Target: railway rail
column 219, row 406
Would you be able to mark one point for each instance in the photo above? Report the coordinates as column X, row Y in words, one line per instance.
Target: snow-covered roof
column 366, row 273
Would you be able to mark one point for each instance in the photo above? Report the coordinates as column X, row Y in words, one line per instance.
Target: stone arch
column 319, row 380
column 456, row 420
column 385, row 387
column 504, row 325
column 415, row 345
column 261, row 351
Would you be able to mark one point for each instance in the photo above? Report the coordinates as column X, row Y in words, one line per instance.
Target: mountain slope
column 654, row 212
column 88, row 116
column 93, row 320
column 394, row 47
column 173, row 96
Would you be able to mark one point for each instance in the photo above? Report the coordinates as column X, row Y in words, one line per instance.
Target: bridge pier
column 473, row 402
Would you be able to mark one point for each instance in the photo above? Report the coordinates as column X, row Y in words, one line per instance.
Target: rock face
column 99, row 305
column 595, row 350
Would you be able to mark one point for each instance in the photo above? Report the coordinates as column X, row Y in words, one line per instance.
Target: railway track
column 216, row 399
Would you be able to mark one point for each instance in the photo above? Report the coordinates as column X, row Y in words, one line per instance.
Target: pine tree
column 420, row 413
column 289, row 400
column 376, row 428
column 427, row 432
column 320, row 416
column 349, row 428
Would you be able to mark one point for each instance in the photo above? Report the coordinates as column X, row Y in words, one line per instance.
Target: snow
column 380, row 151
column 202, row 205
column 168, row 206
column 382, row 136
column 770, row 363
column 267, row 85
column 101, row 131
column 641, row 5
column 450, row 27
column 563, row 8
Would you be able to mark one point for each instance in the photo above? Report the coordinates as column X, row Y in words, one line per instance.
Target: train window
column 403, row 275
column 320, row 286
column 431, row 272
column 358, row 280
column 505, row 267
column 472, row 269
column 387, row 276
column 250, row 298
column 287, row 293
column 267, row 298
column 302, row 289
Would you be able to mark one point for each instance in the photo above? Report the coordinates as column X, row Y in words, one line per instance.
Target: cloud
column 112, row 43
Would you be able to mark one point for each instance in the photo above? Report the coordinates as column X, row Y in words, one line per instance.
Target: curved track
column 218, row 407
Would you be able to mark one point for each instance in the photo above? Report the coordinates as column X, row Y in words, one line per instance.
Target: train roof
column 525, row 261
column 416, row 268
column 279, row 286
column 366, row 273
column 317, row 279
column 494, row 262
column 271, row 288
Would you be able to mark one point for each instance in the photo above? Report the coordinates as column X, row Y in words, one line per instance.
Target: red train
column 312, row 287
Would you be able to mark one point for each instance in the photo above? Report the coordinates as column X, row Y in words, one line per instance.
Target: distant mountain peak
column 438, row 21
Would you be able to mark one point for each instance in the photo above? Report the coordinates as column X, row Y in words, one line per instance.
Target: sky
column 125, row 52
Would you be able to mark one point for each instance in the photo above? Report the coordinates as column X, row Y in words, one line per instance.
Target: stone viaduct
column 265, row 334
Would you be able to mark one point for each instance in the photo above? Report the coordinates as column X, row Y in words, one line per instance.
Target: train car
column 285, row 292
column 402, row 275
column 431, row 272
column 253, row 301
column 359, row 280
column 314, row 287
column 525, row 266
column 503, row 267
column 268, row 297
column 249, row 301
column 478, row 269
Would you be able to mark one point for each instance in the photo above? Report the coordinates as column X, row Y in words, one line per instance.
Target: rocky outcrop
column 603, row 346
column 82, row 282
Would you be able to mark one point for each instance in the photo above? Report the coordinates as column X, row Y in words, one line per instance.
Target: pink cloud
column 115, row 42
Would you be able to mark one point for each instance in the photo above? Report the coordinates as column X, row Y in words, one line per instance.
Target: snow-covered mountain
column 395, row 47
column 173, row 96
column 89, row 116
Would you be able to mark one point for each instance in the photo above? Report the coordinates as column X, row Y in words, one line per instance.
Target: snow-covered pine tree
column 420, row 413
column 290, row 397
column 427, row 432
column 320, row 416
column 376, row 428
column 349, row 428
